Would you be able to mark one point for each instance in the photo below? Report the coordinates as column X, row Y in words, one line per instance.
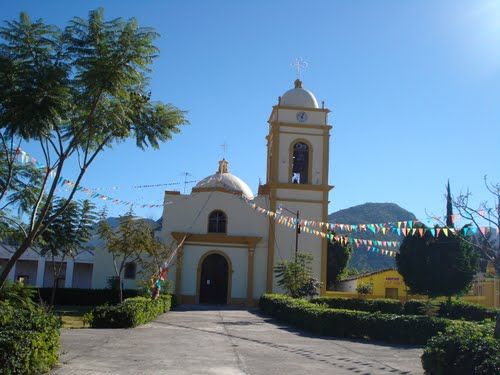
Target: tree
column 127, row 244
column 485, row 215
column 437, row 266
column 67, row 235
column 337, row 257
column 296, row 277
column 74, row 93
column 488, row 245
column 449, row 207
column 157, row 255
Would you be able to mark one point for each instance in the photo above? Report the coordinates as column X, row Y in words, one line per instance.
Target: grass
column 71, row 316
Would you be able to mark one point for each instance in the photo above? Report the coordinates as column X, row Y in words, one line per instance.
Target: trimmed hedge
column 454, row 310
column 83, row 297
column 131, row 313
column 388, row 306
column 415, row 307
column 29, row 339
column 466, row 311
column 408, row 329
column 467, row 349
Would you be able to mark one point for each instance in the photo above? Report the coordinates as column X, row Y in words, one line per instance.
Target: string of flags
column 93, row 195
column 24, row 157
column 401, row 228
column 314, row 227
column 376, row 246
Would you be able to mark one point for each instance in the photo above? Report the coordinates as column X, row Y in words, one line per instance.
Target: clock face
column 301, row 116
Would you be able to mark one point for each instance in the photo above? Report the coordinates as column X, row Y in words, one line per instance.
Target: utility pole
column 297, row 231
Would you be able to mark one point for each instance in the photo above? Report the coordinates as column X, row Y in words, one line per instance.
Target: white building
column 36, row 270
column 230, row 250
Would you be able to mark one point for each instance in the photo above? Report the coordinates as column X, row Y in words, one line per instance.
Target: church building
column 229, row 250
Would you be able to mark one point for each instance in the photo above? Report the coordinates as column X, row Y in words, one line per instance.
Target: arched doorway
column 214, row 278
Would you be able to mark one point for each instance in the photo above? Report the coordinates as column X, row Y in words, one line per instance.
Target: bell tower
column 297, row 177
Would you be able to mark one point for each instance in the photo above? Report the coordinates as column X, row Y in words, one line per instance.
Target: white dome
column 299, row 97
column 225, row 180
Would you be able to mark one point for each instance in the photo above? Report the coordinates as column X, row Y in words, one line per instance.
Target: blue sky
column 414, row 89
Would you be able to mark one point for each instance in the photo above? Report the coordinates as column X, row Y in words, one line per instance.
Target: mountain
column 371, row 213
column 362, row 259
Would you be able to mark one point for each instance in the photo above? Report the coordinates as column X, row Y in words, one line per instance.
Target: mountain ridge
column 371, row 213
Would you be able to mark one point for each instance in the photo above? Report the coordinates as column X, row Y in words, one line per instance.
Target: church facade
column 228, row 250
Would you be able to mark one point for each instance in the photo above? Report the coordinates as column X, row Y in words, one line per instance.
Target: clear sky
column 414, row 89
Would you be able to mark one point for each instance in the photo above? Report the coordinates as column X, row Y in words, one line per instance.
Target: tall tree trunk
column 120, row 289
column 12, row 261
column 53, row 293
column 56, row 273
column 496, row 333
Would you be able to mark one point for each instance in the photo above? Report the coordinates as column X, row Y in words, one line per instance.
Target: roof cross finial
column 224, row 148
column 299, row 64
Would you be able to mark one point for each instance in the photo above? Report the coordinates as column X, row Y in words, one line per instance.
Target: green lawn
column 71, row 316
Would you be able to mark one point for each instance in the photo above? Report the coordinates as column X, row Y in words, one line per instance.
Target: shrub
column 465, row 348
column 131, row 313
column 464, row 310
column 415, row 307
column 322, row 320
column 296, row 277
column 371, row 305
column 29, row 339
column 17, row 294
column 83, row 297
column 364, row 289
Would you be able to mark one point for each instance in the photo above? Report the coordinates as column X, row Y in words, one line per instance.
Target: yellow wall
column 485, row 292
column 383, row 280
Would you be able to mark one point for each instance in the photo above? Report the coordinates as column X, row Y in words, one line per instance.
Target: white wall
column 309, row 243
column 238, row 273
column 314, row 117
column 179, row 216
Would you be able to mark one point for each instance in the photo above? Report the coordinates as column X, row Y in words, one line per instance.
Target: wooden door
column 214, row 280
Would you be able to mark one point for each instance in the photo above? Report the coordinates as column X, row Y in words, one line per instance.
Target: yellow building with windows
column 386, row 283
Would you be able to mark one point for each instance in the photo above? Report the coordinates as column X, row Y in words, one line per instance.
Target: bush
column 322, row 320
column 17, row 294
column 467, row 311
column 387, row 306
column 466, row 348
column 364, row 289
column 83, row 297
column 415, row 307
column 131, row 313
column 29, row 339
column 296, row 277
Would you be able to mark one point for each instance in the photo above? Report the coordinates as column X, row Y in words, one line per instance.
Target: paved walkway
column 220, row 342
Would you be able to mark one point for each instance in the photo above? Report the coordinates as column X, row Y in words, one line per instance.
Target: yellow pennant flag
column 445, row 231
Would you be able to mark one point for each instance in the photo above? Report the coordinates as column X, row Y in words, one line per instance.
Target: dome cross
column 299, row 65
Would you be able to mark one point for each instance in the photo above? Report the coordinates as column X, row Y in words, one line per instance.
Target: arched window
column 217, row 221
column 300, row 163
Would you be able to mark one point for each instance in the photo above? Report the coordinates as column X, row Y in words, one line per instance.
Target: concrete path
column 214, row 341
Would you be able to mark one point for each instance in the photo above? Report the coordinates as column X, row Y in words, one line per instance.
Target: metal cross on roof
column 224, row 147
column 299, row 64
